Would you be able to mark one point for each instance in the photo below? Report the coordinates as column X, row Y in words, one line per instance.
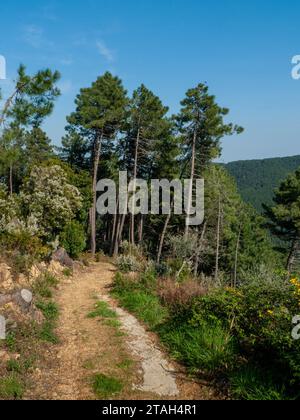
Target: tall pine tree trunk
column 190, row 197
column 132, row 224
column 93, row 212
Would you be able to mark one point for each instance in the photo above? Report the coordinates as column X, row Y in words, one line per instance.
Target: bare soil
column 91, row 346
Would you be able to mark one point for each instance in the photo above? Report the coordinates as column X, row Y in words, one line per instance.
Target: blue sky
column 242, row 49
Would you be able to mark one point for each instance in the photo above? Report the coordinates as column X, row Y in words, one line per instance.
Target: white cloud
column 105, row 51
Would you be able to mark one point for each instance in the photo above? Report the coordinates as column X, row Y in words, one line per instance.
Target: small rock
column 26, row 295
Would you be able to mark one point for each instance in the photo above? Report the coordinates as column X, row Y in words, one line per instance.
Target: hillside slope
column 257, row 179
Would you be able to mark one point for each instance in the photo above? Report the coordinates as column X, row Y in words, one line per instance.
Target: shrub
column 259, row 315
column 73, row 239
column 128, row 263
column 177, row 296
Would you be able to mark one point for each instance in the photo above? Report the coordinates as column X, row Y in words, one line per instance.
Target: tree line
column 110, row 131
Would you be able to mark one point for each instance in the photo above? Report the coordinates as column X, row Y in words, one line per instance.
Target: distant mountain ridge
column 257, row 179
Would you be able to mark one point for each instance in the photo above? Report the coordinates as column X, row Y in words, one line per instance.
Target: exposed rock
column 26, row 296
column 23, row 299
column 6, row 280
column 63, row 258
column 34, row 274
column 55, row 268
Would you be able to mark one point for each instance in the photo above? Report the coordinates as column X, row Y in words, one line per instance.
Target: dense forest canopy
column 257, row 179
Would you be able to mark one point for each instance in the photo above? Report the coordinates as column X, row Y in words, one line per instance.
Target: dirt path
column 89, row 346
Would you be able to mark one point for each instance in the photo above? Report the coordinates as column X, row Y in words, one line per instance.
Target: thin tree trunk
column 115, row 228
column 199, row 249
column 237, row 257
column 119, row 235
column 141, row 229
column 291, row 258
column 11, row 179
column 218, row 242
column 132, row 224
column 93, row 213
column 162, row 238
column 190, row 198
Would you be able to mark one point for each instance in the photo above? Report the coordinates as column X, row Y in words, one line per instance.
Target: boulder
column 61, row 256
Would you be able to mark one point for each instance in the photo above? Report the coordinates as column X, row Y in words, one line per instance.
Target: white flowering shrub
column 50, row 200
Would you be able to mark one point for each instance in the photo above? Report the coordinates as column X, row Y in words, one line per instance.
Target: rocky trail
column 120, row 348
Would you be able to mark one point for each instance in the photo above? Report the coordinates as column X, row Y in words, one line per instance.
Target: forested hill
column 257, row 179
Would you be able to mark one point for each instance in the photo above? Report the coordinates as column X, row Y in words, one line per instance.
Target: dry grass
column 174, row 294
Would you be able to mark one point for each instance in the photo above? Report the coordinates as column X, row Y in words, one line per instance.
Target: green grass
column 106, row 387
column 11, row 388
column 44, row 284
column 14, row 366
column 49, row 309
column 144, row 305
column 252, row 384
column 102, row 310
column 10, row 342
column 126, row 364
column 208, row 347
column 113, row 323
column 47, row 333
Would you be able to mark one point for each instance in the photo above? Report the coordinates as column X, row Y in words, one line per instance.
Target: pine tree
column 201, row 126
column 284, row 217
column 99, row 115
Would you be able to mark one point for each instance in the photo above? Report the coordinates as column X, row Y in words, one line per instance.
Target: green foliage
column 11, row 388
column 47, row 333
column 136, row 297
column 44, row 284
column 49, row 309
column 14, row 366
column 208, row 347
column 128, row 264
column 50, row 199
column 253, row 384
column 106, row 387
column 202, row 117
column 259, row 316
column 73, row 239
column 257, row 179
